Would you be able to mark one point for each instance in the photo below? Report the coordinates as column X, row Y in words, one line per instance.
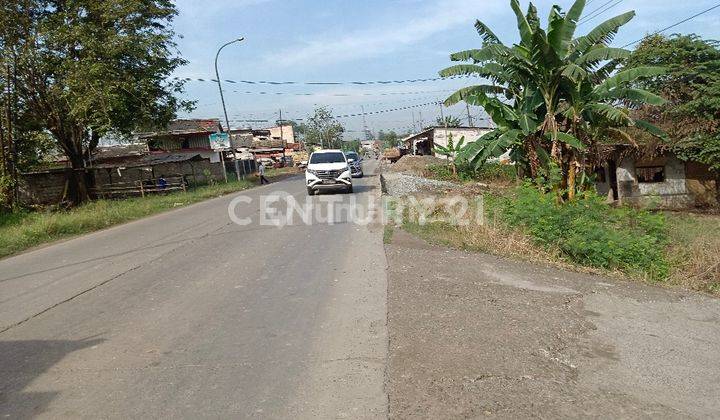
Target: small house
column 424, row 142
column 658, row 178
column 185, row 136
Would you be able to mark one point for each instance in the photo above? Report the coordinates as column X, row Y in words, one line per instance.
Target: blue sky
column 306, row 40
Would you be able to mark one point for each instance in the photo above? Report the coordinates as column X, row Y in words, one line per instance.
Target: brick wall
column 43, row 188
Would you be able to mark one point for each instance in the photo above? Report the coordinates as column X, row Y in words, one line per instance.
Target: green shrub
column 24, row 229
column 466, row 173
column 590, row 232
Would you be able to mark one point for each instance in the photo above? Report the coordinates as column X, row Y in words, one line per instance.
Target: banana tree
column 451, row 151
column 547, row 87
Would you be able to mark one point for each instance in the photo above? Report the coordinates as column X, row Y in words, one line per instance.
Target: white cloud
column 427, row 21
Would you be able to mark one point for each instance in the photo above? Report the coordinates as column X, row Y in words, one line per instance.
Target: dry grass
column 489, row 236
column 694, row 252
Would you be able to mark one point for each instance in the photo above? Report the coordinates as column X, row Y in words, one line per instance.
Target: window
column 600, row 175
column 648, row 174
column 327, row 157
column 185, row 144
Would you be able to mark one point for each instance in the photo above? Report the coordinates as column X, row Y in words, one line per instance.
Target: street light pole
column 222, row 99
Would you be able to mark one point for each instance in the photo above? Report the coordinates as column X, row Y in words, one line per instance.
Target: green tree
column 324, row 130
column 86, row 68
column 691, row 117
column 551, row 95
column 389, row 138
column 351, row 146
column 448, row 121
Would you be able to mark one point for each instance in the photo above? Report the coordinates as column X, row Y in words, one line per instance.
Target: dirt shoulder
column 472, row 335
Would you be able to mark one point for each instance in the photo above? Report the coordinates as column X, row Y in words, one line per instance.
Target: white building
column 424, row 142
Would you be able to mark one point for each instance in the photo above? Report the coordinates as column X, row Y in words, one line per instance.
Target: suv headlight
column 312, row 171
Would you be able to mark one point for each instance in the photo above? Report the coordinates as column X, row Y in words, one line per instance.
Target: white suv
column 328, row 169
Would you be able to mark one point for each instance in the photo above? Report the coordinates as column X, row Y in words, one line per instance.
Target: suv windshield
column 329, row 157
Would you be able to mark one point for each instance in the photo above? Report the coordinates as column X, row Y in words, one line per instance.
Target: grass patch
column 23, row 230
column 529, row 225
column 589, row 232
column 694, row 251
column 388, row 234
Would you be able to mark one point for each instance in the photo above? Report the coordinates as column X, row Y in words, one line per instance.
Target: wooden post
column 142, row 189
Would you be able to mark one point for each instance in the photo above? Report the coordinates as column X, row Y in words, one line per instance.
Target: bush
column 466, row 173
column 590, row 232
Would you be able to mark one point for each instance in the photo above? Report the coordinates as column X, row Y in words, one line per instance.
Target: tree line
column 75, row 71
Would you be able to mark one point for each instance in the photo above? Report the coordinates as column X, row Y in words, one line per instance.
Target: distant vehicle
column 328, row 169
column 355, row 162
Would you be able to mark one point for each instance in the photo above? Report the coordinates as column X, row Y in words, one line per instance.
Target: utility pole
column 227, row 121
column 470, row 121
column 413, row 119
column 444, row 121
column 368, row 136
column 282, row 138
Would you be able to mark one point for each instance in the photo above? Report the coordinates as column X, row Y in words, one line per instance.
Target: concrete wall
column 672, row 193
column 288, row 134
column 42, row 188
column 440, row 138
column 604, row 188
column 47, row 187
column 194, row 172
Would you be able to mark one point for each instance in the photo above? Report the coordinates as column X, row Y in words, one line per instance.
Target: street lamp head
column 242, row 38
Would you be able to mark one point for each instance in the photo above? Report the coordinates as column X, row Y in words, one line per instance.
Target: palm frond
column 522, row 23
column 627, row 76
column 562, row 28
column 603, row 33
column 638, row 96
column 470, row 91
column 568, row 139
column 615, row 115
column 574, row 72
column 596, row 55
column 462, row 70
column 650, row 128
column 487, row 35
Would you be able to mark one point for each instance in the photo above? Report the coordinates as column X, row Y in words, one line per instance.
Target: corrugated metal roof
column 185, row 127
column 152, row 160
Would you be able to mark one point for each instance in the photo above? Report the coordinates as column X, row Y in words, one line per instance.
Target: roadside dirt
column 472, row 335
column 416, row 165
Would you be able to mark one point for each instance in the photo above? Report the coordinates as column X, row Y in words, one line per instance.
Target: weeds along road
column 189, row 314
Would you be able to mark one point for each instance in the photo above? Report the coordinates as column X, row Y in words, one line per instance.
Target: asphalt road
column 189, row 314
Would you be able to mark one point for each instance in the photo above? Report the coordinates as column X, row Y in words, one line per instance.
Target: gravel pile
column 416, row 165
column 399, row 184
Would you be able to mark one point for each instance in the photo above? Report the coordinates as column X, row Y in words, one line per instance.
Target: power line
column 343, row 94
column 672, row 26
column 371, row 82
column 591, row 17
column 403, row 108
column 595, row 10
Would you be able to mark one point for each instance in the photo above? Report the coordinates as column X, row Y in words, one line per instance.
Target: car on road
column 328, row 170
column 355, row 162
